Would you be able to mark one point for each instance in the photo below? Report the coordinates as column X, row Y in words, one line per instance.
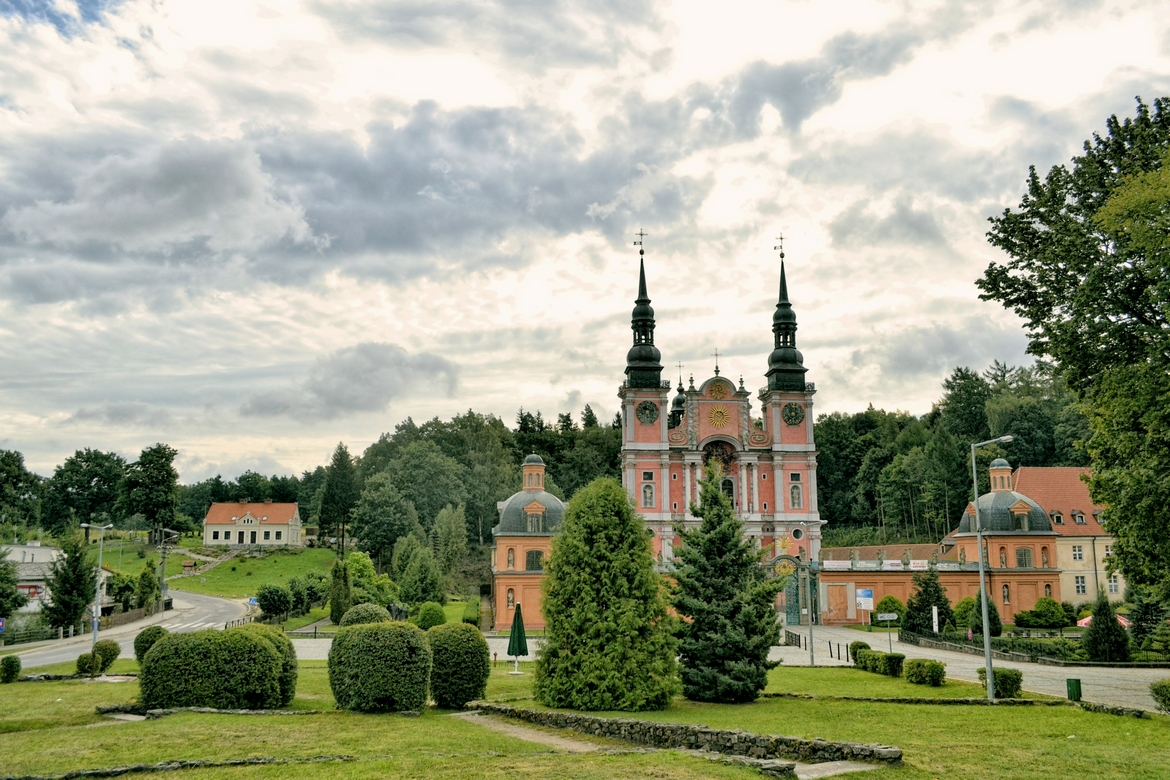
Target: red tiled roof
column 265, row 514
column 1060, row 489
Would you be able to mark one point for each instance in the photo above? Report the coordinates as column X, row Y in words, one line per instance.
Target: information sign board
column 865, row 599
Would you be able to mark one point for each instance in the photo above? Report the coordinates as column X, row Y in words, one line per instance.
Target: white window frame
column 1078, row 552
column 1079, row 585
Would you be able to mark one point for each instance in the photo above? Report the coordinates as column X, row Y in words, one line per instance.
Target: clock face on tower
column 793, row 414
column 647, row 412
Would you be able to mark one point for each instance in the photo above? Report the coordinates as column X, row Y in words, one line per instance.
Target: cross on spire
column 680, row 368
column 641, row 234
column 780, row 246
column 716, row 354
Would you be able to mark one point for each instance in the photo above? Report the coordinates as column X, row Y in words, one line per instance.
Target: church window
column 647, row 476
column 533, row 560
column 728, row 486
column 1023, row 558
column 765, row 506
column 511, row 598
column 794, row 477
column 1047, row 590
column 1007, row 594
column 797, row 534
column 511, row 558
column 796, row 499
column 647, row 496
column 535, row 523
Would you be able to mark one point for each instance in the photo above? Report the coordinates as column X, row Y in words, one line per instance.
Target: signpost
column 865, row 600
column 887, row 618
column 252, row 601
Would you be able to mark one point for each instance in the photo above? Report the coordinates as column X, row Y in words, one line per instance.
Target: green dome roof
column 533, row 460
column 996, row 515
column 514, row 520
column 1000, row 463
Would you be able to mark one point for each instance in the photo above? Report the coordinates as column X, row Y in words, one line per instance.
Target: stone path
column 1118, row 687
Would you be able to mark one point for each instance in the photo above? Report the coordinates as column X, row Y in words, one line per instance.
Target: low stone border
column 699, row 737
column 58, row 677
column 171, row 766
column 155, row 714
column 1105, row 709
column 922, row 700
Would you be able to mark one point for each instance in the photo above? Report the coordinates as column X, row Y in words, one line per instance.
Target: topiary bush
column 471, row 613
column 364, row 613
column 1008, row 682
column 89, row 664
column 922, row 671
column 853, row 648
column 288, row 657
column 888, row 604
column 460, row 667
column 146, row 639
column 1159, row 690
column 380, row 667
column 223, row 669
column 431, row 614
column 107, row 651
column 9, row 668
column 875, row 661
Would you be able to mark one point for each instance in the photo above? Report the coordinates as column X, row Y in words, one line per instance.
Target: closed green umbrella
column 517, row 641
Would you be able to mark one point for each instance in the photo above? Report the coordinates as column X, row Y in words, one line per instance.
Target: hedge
column 1007, row 682
column 889, row 664
column 460, row 664
column 431, row 614
column 922, row 671
column 107, row 651
column 146, row 639
column 1159, row 690
column 9, row 668
column 364, row 613
column 230, row 670
column 288, row 657
column 853, row 648
column 380, row 667
column 471, row 613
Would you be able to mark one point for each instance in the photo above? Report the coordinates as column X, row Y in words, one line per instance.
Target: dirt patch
column 529, row 734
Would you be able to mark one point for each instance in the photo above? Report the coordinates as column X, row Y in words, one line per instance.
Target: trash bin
column 1074, row 689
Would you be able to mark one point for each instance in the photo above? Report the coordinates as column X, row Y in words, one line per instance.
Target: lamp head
column 1006, row 439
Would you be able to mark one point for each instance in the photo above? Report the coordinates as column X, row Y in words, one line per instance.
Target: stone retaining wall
column 699, row 737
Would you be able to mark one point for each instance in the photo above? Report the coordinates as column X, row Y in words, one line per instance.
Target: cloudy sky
column 253, row 229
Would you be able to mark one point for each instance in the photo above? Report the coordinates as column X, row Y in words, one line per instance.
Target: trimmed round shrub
column 364, row 613
column 1159, row 690
column 146, row 639
column 922, row 671
column 9, row 668
column 89, row 664
column 853, row 648
column 288, row 657
column 460, row 664
column 431, row 614
column 1008, row 682
column 230, row 670
column 380, row 667
column 107, row 651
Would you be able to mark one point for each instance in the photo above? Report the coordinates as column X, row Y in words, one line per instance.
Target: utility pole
column 97, row 589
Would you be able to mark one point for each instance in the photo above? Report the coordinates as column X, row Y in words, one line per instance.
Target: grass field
column 240, row 577
column 47, row 728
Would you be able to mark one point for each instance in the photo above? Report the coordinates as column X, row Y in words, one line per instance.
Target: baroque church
column 768, row 461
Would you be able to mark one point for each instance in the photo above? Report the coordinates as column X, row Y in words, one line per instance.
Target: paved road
column 192, row 612
column 1119, row 687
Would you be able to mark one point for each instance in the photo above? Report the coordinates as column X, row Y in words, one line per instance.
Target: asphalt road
column 192, row 612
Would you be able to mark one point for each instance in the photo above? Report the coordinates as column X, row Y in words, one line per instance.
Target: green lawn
column 312, row 616
column 240, row 577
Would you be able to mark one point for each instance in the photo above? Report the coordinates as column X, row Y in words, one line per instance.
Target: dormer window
column 1079, row 518
column 1057, row 518
column 535, row 523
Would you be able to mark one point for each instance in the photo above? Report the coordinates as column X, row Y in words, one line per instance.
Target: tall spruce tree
column 11, row 599
column 608, row 639
column 340, row 495
column 727, row 605
column 340, row 592
column 929, row 592
column 72, row 583
column 421, row 581
column 993, row 620
column 1105, row 639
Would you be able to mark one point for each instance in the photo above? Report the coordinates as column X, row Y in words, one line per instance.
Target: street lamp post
column 97, row 590
column 982, row 571
column 165, row 535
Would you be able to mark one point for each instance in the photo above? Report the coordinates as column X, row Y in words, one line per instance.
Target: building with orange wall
column 520, row 542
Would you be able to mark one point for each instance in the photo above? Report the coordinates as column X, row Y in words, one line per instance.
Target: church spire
column 785, row 365
column 643, row 368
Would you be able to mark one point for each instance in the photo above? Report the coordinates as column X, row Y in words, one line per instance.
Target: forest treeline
column 881, row 475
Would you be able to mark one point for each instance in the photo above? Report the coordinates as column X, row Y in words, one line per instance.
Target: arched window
column 534, row 560
column 1048, row 590
column 511, row 558
column 728, row 486
column 1023, row 558
column 648, row 495
column 1006, row 594
column 511, row 598
column 795, row 498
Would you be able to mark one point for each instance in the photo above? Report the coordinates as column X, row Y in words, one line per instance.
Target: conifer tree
column 993, row 620
column 1105, row 639
column 929, row 592
column 11, row 599
column 72, row 583
column 421, row 581
column 340, row 494
column 608, row 641
column 728, row 605
column 340, row 592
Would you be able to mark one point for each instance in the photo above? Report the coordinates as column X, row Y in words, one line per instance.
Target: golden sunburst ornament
column 718, row 391
column 718, row 417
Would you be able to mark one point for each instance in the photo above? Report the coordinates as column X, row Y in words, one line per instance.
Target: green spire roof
column 643, row 368
column 785, row 365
